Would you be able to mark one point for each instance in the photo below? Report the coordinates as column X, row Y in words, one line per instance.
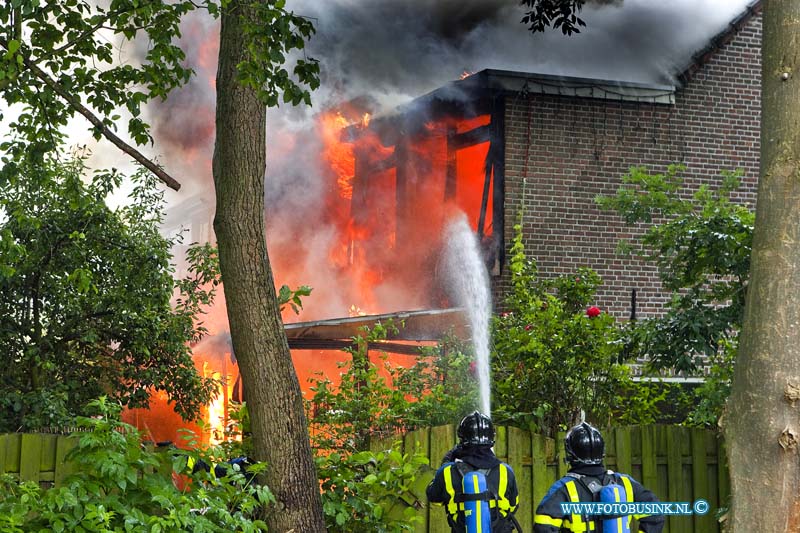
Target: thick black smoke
column 388, row 52
column 397, row 50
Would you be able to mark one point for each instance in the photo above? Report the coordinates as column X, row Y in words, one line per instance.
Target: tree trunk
column 280, row 433
column 762, row 425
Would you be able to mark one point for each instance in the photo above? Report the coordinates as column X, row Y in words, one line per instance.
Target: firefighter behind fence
column 589, row 481
column 478, row 491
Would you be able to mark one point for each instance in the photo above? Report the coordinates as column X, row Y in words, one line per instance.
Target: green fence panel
column 13, row 447
column 420, row 440
column 622, row 438
column 541, row 477
column 561, row 466
column 30, row 458
column 649, row 458
column 442, row 439
column 64, row 445
column 519, row 457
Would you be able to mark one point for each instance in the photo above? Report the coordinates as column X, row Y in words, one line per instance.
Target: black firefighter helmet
column 476, row 429
column 584, row 445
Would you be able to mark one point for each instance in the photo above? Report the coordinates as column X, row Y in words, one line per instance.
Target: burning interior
column 391, row 184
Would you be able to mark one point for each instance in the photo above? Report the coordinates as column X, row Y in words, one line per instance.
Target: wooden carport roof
column 418, row 327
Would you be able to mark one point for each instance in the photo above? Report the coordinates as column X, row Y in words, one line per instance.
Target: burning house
column 503, row 144
column 367, row 231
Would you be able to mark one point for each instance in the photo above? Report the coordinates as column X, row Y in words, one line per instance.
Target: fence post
column 623, row 441
column 675, row 477
column 723, row 475
column 519, row 457
column 30, row 458
column 422, row 438
column 442, row 439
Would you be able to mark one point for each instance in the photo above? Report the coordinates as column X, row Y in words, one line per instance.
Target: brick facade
column 561, row 152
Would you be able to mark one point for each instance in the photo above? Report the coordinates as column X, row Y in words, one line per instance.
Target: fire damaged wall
column 561, row 152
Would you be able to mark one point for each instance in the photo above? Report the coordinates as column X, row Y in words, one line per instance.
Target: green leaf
column 13, row 46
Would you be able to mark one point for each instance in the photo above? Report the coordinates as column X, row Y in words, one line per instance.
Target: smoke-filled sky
column 399, row 49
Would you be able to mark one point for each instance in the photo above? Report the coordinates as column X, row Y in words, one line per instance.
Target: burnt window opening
column 413, row 170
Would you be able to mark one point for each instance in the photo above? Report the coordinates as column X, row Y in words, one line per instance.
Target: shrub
column 555, row 354
column 86, row 298
column 701, row 243
column 369, row 492
column 120, row 485
column 365, row 405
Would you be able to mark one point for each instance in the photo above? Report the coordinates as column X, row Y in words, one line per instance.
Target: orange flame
column 384, row 228
column 339, row 156
column 355, row 311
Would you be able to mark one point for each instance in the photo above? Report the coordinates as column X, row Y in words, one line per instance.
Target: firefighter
column 473, row 455
column 587, row 476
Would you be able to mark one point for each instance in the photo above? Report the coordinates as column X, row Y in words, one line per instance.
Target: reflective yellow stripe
column 628, row 493
column 503, row 485
column 577, row 524
column 617, row 498
column 573, row 492
column 547, row 520
column 503, row 504
column 452, row 507
column 628, row 488
column 476, row 488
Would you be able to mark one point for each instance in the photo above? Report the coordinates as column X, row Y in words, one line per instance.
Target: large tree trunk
column 280, row 434
column 762, row 425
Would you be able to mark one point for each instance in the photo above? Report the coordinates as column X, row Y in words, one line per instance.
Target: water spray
column 469, row 283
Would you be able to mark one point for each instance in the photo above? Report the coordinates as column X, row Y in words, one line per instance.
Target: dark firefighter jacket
column 445, row 488
column 550, row 518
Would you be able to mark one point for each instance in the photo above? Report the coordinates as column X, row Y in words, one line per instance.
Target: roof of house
column 468, row 96
column 721, row 39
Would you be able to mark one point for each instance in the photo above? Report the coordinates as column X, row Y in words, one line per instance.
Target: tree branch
column 92, row 30
column 97, row 123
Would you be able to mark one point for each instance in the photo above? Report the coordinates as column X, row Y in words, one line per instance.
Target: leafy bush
column 365, row 405
column 85, row 298
column 701, row 244
column 120, row 485
column 369, row 492
column 552, row 357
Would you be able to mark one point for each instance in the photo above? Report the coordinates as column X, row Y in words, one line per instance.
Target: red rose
column 528, row 327
column 593, row 311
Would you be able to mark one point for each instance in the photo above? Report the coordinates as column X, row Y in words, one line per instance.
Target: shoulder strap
column 626, row 483
column 487, row 495
column 466, row 468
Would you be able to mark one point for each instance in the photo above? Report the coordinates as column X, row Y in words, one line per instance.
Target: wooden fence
column 36, row 457
column 679, row 464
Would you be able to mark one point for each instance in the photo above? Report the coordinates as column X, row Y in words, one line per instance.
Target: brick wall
column 562, row 152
